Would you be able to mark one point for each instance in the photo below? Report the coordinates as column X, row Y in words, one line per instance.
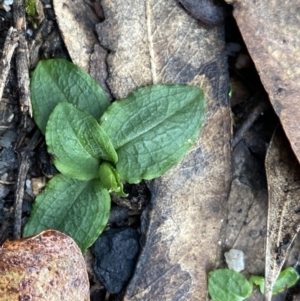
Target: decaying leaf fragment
column 76, row 21
column 283, row 174
column 153, row 42
column 45, row 267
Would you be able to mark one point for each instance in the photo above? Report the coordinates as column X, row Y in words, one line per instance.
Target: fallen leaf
column 247, row 205
column 158, row 42
column 206, row 11
column 76, row 21
column 283, row 174
column 271, row 31
column 98, row 67
column 48, row 266
column 246, row 223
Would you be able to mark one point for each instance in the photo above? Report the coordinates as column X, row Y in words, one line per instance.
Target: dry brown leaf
column 247, row 220
column 45, row 267
column 98, row 67
column 158, row 42
column 283, row 174
column 76, row 20
column 207, row 12
column 271, row 31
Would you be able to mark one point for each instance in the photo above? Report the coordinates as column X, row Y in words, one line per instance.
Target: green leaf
column 259, row 281
column 286, row 279
column 78, row 208
column 77, row 142
column 110, row 179
column 30, row 7
column 228, row 285
column 58, row 80
column 230, row 90
column 153, row 128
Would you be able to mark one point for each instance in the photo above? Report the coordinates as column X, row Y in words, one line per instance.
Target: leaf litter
column 283, row 173
column 254, row 231
column 271, row 33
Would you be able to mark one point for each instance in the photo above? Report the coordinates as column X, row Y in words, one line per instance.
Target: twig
column 7, row 182
column 22, row 64
column 11, row 42
column 22, row 58
column 19, row 193
column 254, row 114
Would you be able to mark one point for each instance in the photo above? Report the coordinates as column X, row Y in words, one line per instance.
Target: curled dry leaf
column 283, row 174
column 45, row 267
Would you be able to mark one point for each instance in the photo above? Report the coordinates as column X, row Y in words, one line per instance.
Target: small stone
column 235, row 260
column 29, row 32
column 37, row 185
column 28, row 188
column 116, row 252
column 8, row 2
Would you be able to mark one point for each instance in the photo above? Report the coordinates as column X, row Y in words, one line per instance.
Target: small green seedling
column 286, row 279
column 30, row 7
column 97, row 146
column 228, row 285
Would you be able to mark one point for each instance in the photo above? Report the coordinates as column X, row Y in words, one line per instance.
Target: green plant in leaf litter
column 97, row 146
column 286, row 279
column 228, row 285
